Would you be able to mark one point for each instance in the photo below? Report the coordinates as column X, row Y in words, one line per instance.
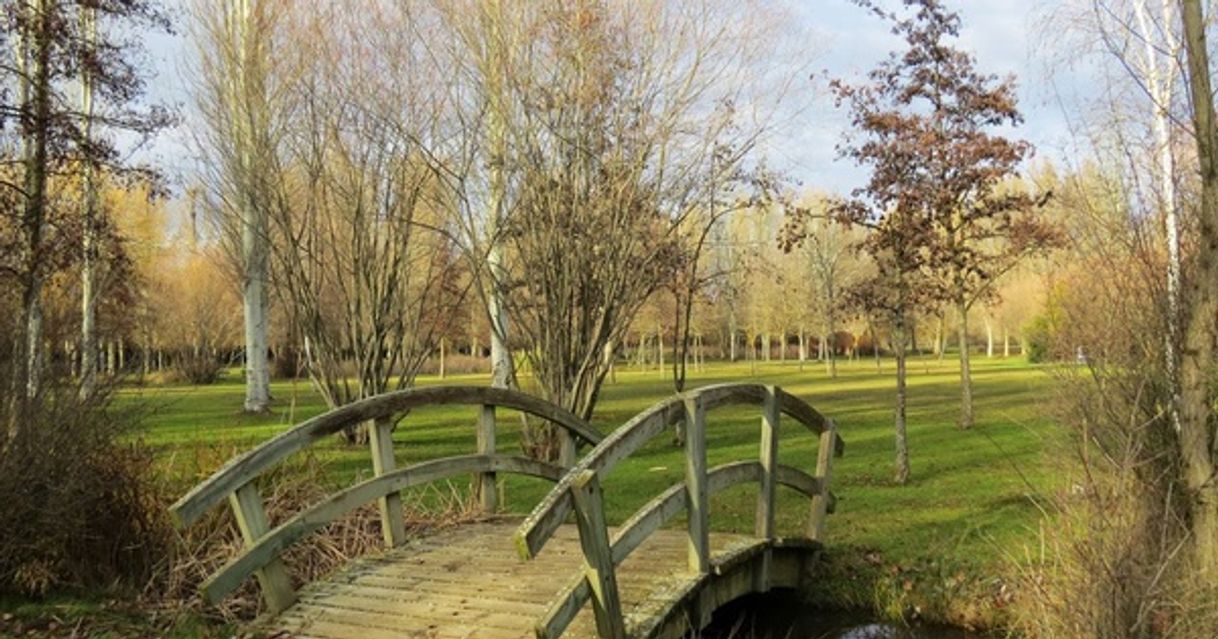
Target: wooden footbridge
column 537, row 575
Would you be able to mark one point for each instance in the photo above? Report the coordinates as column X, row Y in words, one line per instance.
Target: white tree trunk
column 88, row 272
column 989, row 337
column 255, row 243
column 1160, row 78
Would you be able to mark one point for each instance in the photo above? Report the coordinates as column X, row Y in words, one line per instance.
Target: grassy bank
column 931, row 548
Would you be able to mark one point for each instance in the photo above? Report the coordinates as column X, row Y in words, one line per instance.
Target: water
column 782, row 616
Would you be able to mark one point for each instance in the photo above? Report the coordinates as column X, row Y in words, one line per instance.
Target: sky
column 1004, row 36
column 846, row 42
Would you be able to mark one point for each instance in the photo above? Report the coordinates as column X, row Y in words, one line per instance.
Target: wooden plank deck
column 469, row 583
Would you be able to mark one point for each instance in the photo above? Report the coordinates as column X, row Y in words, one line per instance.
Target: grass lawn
column 966, row 511
column 967, row 497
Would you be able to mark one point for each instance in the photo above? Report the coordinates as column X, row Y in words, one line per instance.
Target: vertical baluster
column 765, row 495
column 598, row 556
column 824, row 467
column 380, row 440
column 252, row 521
column 696, row 495
column 566, row 447
column 486, row 446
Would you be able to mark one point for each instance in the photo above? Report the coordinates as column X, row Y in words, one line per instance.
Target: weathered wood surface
column 551, row 511
column 468, row 582
column 245, row 468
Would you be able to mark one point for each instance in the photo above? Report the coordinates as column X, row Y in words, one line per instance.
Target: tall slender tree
column 930, row 125
column 1198, row 437
column 47, row 49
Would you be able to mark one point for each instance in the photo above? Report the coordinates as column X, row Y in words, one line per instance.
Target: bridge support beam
column 824, row 467
column 766, row 490
column 598, row 557
column 697, row 496
column 252, row 521
column 486, row 446
column 380, row 439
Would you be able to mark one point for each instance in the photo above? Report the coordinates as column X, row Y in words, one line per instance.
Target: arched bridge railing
column 579, row 491
column 236, row 481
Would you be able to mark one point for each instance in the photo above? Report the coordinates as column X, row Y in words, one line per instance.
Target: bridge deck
column 468, row 582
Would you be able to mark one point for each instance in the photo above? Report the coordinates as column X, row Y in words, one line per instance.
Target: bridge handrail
column 251, row 464
column 580, row 491
column 267, row 548
column 549, row 514
column 236, row 480
column 654, row 514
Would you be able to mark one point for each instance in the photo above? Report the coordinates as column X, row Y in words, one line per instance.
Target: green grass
column 966, row 509
column 968, row 494
column 968, row 488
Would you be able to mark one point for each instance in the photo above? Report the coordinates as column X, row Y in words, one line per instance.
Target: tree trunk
column 88, row 272
column 831, row 356
column 660, row 349
column 1006, row 341
column 731, row 334
column 966, row 379
column 255, row 244
column 989, row 337
column 443, row 348
column 902, row 443
column 502, row 374
column 875, row 349
column 1198, row 444
column 941, row 341
column 34, row 91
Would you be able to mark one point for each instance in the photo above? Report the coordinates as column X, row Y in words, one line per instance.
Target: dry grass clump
column 77, row 510
column 203, row 548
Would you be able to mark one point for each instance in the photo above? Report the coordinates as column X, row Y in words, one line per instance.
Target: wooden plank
column 244, row 468
column 265, row 549
column 800, row 411
column 252, row 521
column 824, row 467
column 486, row 446
column 598, row 559
column 697, row 495
column 769, row 465
column 768, row 454
column 380, row 441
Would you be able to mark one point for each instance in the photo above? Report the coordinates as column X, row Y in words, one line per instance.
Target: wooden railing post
column 768, row 457
column 252, row 521
column 486, row 446
column 824, row 467
column 380, row 439
column 566, row 448
column 598, row 555
column 696, row 493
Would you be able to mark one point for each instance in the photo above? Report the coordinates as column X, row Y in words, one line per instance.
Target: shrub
column 76, row 508
column 199, row 369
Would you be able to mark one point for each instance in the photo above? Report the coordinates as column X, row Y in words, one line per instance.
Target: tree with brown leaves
column 926, row 124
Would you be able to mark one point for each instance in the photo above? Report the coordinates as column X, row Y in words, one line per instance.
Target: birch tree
column 234, row 97
column 46, row 44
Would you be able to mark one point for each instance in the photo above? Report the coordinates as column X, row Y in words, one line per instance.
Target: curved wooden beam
column 553, row 509
column 733, row 575
column 655, row 514
column 270, row 545
column 244, row 468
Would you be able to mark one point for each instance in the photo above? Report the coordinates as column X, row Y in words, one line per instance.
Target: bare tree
column 45, row 45
column 1198, row 437
column 235, row 97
